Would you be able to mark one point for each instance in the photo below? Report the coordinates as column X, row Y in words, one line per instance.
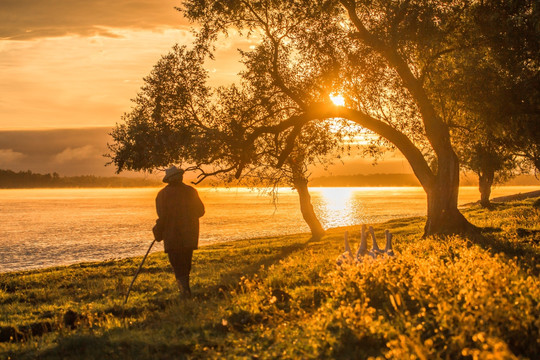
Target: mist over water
column 48, row 227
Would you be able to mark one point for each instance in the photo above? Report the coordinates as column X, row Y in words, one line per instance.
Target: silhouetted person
column 178, row 208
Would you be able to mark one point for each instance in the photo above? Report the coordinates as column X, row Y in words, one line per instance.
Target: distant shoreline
column 79, row 187
column 235, row 187
column 29, row 180
column 159, row 185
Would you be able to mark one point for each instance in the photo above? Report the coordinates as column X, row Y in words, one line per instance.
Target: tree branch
column 322, row 111
column 289, row 145
column 401, row 141
column 293, row 121
column 275, row 57
column 436, row 129
column 203, row 174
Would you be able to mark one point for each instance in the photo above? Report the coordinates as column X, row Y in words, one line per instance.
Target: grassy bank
column 284, row 297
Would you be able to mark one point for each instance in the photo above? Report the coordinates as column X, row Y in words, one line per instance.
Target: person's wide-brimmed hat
column 173, row 173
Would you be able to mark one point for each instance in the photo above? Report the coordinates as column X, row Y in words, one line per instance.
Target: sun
column 337, row 99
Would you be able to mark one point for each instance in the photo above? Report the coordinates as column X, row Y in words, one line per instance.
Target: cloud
column 75, row 154
column 66, row 151
column 8, row 157
column 80, row 152
column 52, row 142
column 31, row 19
column 74, row 81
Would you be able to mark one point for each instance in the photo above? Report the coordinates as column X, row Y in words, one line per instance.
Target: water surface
column 46, row 227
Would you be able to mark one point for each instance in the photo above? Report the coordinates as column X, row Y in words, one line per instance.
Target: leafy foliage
column 511, row 32
column 486, row 91
column 159, row 130
column 383, row 57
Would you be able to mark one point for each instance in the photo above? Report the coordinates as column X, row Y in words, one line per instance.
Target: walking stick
column 137, row 273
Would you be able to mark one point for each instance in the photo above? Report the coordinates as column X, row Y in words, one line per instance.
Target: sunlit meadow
column 285, row 297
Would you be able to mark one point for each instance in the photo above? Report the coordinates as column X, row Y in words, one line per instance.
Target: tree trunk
column 443, row 216
column 300, row 183
column 442, row 189
column 308, row 213
column 485, row 181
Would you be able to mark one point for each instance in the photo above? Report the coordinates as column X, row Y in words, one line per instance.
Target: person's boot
column 183, row 286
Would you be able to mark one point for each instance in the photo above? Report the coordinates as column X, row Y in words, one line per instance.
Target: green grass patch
column 284, row 297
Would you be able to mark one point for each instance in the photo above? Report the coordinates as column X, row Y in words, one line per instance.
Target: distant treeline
column 520, row 180
column 366, row 180
column 374, row 180
column 27, row 179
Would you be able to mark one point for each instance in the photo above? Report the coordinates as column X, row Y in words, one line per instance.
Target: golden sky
column 72, row 64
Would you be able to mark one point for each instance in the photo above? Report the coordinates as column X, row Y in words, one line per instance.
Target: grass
column 284, row 297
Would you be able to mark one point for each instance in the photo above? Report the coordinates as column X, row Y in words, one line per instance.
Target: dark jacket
column 179, row 208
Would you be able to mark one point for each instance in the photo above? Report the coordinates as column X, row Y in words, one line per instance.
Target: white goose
column 375, row 250
column 347, row 254
column 362, row 249
column 388, row 248
column 347, row 245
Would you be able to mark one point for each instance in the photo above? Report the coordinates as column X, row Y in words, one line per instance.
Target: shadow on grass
column 285, row 251
column 523, row 253
column 235, row 274
column 88, row 346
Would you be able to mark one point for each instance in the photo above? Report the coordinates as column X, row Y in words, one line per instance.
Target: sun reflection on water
column 338, row 206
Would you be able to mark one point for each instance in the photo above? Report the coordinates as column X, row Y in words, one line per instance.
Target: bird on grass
column 375, row 251
column 388, row 248
column 347, row 255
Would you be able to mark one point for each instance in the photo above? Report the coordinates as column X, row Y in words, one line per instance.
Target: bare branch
column 203, row 174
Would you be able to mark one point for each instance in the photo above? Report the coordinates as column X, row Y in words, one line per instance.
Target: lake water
column 46, row 227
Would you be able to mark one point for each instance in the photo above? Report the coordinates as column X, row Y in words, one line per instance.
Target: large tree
column 178, row 119
column 491, row 92
column 382, row 56
column 378, row 54
column 510, row 30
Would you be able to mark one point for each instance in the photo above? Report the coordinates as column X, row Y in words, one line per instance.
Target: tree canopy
column 384, row 57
